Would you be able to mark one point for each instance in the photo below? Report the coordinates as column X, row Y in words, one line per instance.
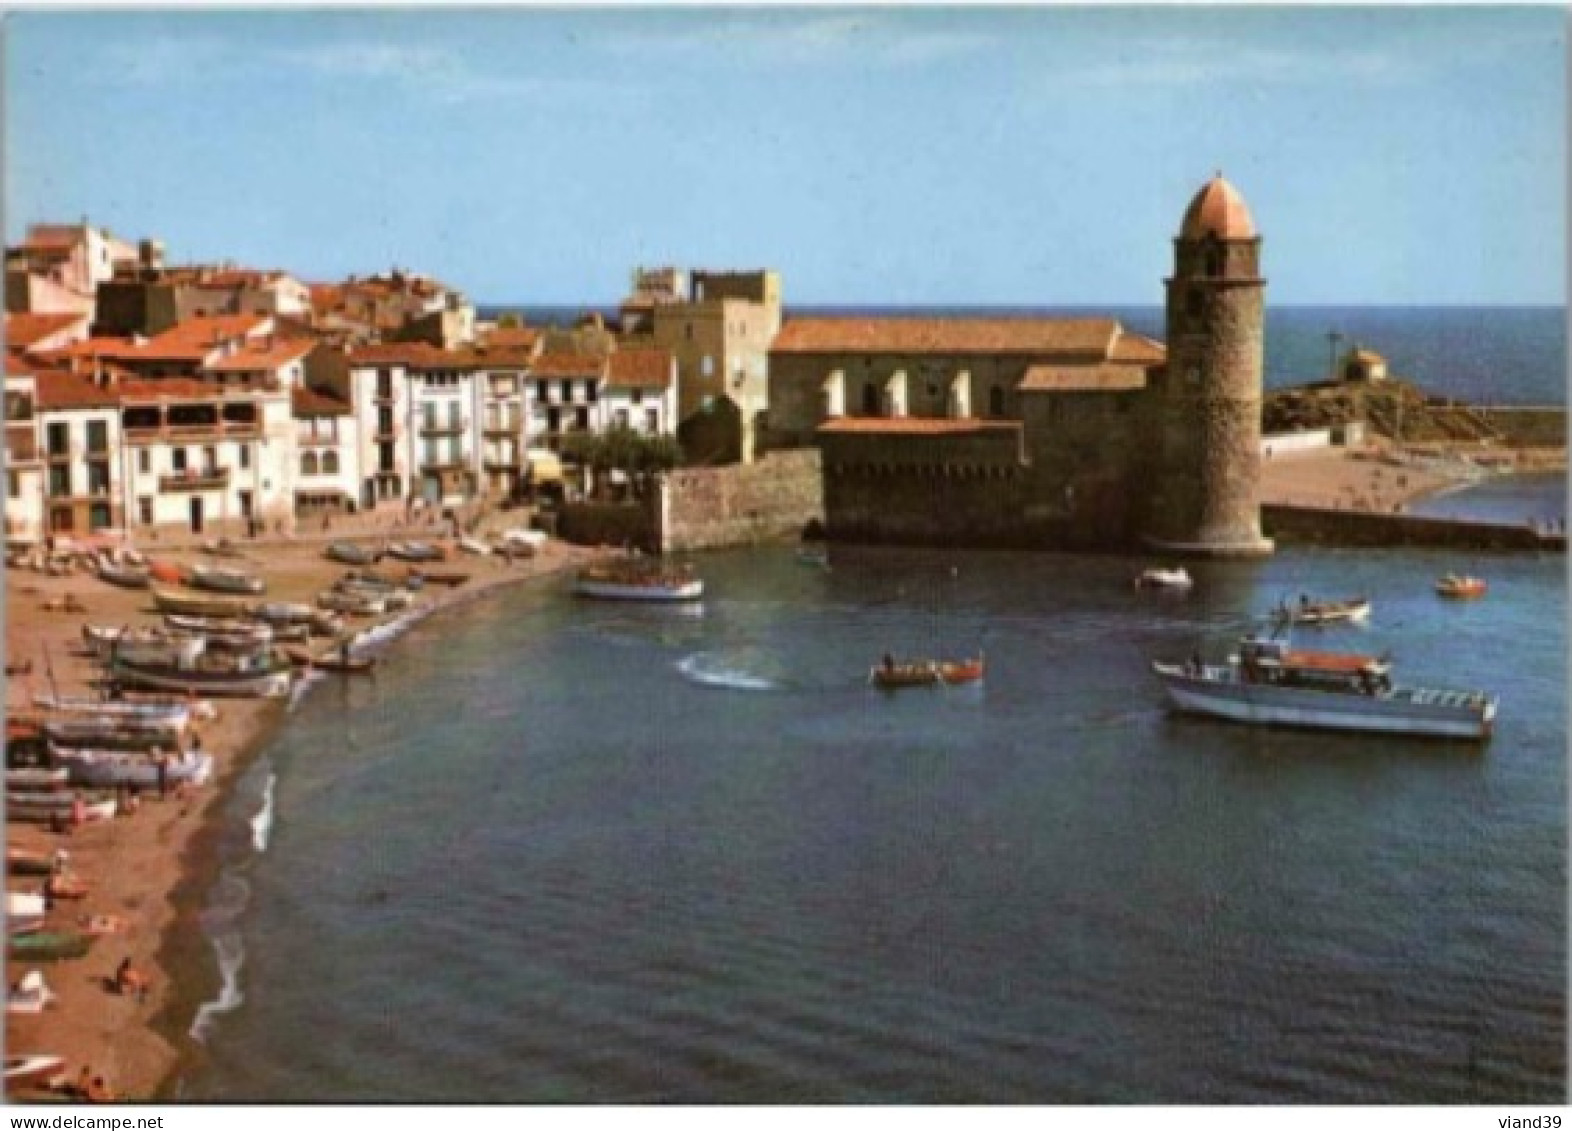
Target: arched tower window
column 1214, row 261
column 870, row 399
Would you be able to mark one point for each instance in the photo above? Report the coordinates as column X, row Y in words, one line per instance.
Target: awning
column 545, row 467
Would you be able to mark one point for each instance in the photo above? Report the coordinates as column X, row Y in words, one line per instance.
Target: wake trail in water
column 707, row 670
column 262, row 823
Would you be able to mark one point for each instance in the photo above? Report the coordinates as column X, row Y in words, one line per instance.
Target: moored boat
column 891, row 675
column 176, row 713
column 355, row 603
column 1352, row 610
column 228, row 628
column 1177, row 578
column 473, row 546
column 26, row 862
column 349, row 553
column 109, row 768
column 125, row 576
column 198, row 604
column 1268, row 682
column 129, row 733
column 29, row 995
column 32, row 1070
column 48, row 946
column 225, row 579
column 243, row 674
column 1458, row 587
column 32, row 779
column 638, row 579
column 416, row 552
column 20, row 903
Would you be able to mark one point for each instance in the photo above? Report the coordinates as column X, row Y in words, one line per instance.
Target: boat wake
column 262, row 823
column 708, row 670
column 221, row 923
column 304, row 682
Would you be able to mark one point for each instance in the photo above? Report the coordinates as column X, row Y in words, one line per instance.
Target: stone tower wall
column 1207, row 407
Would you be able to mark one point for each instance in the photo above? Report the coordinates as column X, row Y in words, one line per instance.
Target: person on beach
column 161, row 760
column 98, row 1092
column 129, row 981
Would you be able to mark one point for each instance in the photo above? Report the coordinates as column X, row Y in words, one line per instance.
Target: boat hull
column 1421, row 712
column 110, row 768
column 260, row 684
column 195, row 604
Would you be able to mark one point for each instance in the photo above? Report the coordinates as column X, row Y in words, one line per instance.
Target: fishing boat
column 48, row 946
column 19, row 903
column 1269, row 682
column 169, row 573
column 284, row 612
column 125, row 576
column 198, row 604
column 121, row 734
column 23, row 925
column 31, row 1071
column 1461, row 587
column 524, row 541
column 225, row 579
column 416, row 552
column 176, row 713
column 254, row 631
column 638, row 579
column 355, row 603
column 448, row 577
column 892, row 676
column 58, row 806
column 1178, row 578
column 1353, row 610
column 473, row 546
column 242, row 674
column 26, row 862
column 110, row 768
column 29, row 995
column 336, row 660
column 350, row 554
column 33, row 779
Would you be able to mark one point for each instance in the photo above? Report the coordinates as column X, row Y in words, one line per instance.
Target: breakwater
column 1321, row 526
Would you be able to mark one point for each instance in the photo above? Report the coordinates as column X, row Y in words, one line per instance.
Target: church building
column 1067, row 433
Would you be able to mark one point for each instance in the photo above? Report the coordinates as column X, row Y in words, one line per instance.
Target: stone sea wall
column 1291, row 525
column 706, row 508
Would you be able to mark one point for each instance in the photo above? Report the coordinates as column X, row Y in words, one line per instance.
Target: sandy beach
column 150, row 870
column 1383, row 481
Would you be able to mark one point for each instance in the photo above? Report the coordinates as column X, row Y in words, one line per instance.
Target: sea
column 560, row 851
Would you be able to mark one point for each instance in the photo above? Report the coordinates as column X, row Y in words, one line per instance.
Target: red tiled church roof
column 1092, row 336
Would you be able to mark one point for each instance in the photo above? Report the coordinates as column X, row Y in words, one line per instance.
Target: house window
column 13, row 484
column 210, row 459
column 652, row 420
column 245, row 456
column 98, row 517
column 97, row 436
column 308, row 463
column 144, row 461
column 144, row 510
column 60, row 481
column 177, row 459
column 567, row 390
column 638, row 396
column 60, row 519
column 707, row 366
column 58, row 440
column 622, row 418
column 329, row 463
column 540, row 389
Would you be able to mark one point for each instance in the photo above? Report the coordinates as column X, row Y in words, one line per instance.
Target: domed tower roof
column 1217, row 210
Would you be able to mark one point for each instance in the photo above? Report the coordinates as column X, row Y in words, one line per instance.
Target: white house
column 79, row 427
column 24, row 469
column 639, row 392
column 327, row 442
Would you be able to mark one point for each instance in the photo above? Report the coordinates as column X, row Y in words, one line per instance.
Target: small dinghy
column 892, row 676
column 29, row 995
column 349, row 554
column 1461, row 588
column 225, row 579
column 31, row 1070
column 1178, row 578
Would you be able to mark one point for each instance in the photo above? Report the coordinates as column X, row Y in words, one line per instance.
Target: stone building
column 1044, row 432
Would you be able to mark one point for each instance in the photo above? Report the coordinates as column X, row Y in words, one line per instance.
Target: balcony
column 208, row 479
column 189, row 433
column 501, row 463
column 382, row 435
column 505, row 428
column 461, row 464
column 433, row 428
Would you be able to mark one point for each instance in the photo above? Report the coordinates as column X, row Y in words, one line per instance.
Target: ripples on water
column 567, row 851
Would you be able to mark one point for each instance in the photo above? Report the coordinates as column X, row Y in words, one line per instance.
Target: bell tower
column 1207, row 410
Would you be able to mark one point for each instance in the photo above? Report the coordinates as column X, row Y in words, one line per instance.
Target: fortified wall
column 1323, row 527
column 705, row 508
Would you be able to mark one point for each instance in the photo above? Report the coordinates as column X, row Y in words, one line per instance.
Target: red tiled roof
column 58, row 390
column 311, row 402
column 1137, row 347
column 947, row 335
column 568, row 365
column 640, row 369
column 263, row 357
column 52, row 237
column 23, row 330
column 412, row 354
column 512, row 337
column 917, row 425
column 1082, row 378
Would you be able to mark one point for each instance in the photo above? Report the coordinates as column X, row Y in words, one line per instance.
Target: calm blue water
column 569, row 851
column 1488, row 355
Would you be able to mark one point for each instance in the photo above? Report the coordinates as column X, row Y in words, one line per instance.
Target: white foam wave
column 262, row 822
column 304, row 681
column 703, row 670
column 221, row 923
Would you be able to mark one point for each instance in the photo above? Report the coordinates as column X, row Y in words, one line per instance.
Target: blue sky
column 1038, row 156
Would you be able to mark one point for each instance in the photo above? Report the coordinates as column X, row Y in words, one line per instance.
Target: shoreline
column 154, row 870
